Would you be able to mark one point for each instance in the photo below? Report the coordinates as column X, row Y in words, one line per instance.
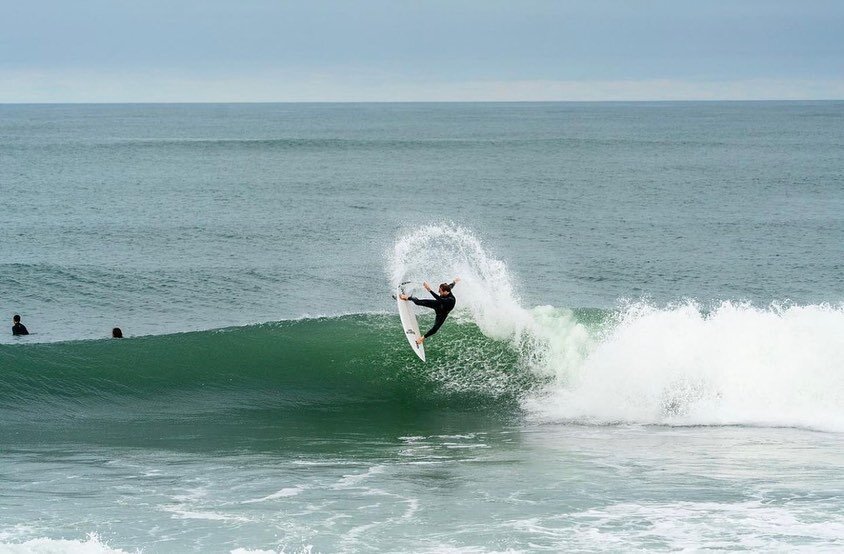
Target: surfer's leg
column 437, row 324
column 428, row 303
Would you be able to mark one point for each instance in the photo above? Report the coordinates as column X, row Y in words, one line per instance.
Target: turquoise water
column 646, row 353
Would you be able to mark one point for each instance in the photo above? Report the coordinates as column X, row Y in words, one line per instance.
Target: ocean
column 647, row 352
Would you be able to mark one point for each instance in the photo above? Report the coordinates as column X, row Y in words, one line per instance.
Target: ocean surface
column 647, row 352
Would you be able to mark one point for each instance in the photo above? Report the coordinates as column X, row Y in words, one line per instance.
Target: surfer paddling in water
column 442, row 304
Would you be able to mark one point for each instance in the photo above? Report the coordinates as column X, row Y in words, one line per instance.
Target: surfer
column 18, row 328
column 442, row 304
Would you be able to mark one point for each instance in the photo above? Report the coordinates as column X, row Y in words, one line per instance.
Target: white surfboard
column 409, row 323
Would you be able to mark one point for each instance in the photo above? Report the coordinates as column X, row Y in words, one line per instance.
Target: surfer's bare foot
column 403, row 297
column 420, row 340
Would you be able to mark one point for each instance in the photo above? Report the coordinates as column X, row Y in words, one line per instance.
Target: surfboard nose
column 410, row 325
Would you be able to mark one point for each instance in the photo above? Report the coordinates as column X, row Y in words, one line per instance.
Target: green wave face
column 357, row 363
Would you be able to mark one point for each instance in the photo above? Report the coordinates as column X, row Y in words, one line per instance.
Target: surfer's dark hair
column 16, row 318
column 445, row 286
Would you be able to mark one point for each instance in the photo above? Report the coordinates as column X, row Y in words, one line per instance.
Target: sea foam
column 731, row 363
column 91, row 545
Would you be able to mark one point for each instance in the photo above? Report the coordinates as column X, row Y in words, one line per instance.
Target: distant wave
column 378, row 144
column 316, row 144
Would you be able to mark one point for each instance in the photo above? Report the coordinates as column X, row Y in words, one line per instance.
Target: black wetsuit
column 19, row 329
column 441, row 305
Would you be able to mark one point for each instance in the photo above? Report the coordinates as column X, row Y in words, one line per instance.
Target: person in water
column 116, row 333
column 442, row 304
column 18, row 328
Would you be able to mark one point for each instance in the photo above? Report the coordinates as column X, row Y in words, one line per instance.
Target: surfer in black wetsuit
column 18, row 328
column 442, row 304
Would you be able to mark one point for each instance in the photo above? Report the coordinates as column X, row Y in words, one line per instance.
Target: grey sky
column 183, row 50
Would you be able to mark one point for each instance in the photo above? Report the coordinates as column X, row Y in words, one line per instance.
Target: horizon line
column 602, row 101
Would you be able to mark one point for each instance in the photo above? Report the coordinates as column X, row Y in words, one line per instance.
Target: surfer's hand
column 456, row 280
column 426, row 285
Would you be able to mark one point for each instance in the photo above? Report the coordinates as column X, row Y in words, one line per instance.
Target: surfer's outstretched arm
column 428, row 288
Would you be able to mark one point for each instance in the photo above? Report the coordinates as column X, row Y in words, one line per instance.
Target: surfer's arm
column 428, row 288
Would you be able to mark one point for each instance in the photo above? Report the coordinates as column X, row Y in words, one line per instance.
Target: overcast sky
column 399, row 50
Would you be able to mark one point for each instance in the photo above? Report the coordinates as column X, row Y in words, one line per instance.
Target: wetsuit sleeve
column 435, row 295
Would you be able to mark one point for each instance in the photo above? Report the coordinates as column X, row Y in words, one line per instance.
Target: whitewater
column 680, row 364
